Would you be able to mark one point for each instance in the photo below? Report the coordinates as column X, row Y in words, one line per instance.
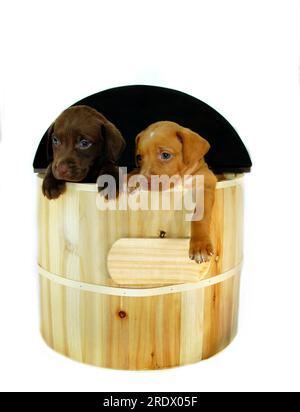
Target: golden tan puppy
column 166, row 148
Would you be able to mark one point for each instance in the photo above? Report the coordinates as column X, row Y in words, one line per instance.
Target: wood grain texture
column 148, row 261
column 134, row 332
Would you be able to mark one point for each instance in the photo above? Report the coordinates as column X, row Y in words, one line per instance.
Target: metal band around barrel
column 131, row 292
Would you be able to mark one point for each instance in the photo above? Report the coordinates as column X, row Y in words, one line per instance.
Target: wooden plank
column 147, row 261
column 192, row 326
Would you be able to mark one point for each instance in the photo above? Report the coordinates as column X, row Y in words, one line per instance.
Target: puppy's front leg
column 52, row 188
column 201, row 248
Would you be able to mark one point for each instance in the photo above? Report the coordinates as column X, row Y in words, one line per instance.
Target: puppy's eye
column 84, row 144
column 139, row 158
column 55, row 141
column 166, row 156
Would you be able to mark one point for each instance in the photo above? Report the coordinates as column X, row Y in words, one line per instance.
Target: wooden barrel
column 115, row 294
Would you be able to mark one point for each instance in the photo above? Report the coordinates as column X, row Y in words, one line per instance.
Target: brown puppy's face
column 82, row 138
column 77, row 142
column 166, row 148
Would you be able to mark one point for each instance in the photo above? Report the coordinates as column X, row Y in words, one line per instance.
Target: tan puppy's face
column 166, row 148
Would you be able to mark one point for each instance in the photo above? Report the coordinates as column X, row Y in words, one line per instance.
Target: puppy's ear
column 137, row 139
column 194, row 147
column 49, row 143
column 113, row 142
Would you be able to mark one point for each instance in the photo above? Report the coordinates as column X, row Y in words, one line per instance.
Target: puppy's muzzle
column 67, row 170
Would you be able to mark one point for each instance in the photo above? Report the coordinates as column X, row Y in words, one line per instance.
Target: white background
column 241, row 57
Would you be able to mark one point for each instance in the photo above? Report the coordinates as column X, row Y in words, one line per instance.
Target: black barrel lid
column 133, row 108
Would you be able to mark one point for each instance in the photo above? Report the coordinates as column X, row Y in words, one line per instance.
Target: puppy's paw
column 52, row 189
column 201, row 250
column 133, row 189
column 108, row 193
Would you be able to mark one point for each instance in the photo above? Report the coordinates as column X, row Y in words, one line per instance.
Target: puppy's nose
column 62, row 168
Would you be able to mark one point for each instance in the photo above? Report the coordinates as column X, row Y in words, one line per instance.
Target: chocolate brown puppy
column 166, row 148
column 85, row 145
